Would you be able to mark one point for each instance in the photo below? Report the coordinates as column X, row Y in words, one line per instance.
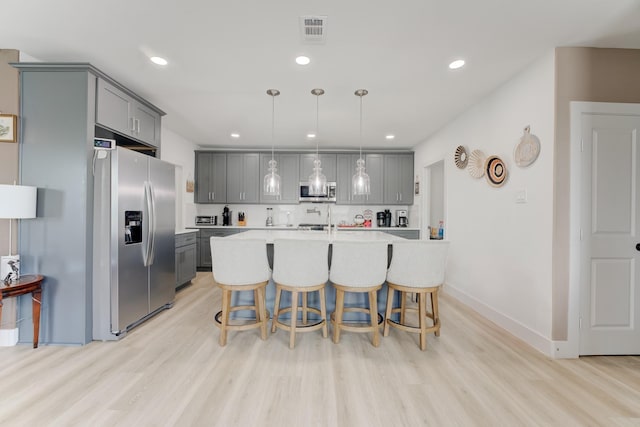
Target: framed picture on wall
column 8, row 128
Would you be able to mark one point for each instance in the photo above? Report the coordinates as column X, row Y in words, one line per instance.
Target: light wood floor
column 171, row 371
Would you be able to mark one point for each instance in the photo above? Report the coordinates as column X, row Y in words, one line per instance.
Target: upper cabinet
column 123, row 113
column 346, row 168
column 288, row 169
column 211, row 177
column 398, row 179
column 327, row 162
column 243, row 180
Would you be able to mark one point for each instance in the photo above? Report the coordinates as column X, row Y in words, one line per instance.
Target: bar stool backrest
column 298, row 262
column 358, row 263
column 418, row 263
column 239, row 261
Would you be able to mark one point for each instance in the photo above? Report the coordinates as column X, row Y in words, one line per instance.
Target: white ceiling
column 223, row 56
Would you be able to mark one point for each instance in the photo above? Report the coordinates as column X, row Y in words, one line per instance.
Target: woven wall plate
column 526, row 152
column 496, row 171
column 476, row 164
column 461, row 158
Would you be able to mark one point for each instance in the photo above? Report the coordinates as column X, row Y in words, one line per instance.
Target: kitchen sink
column 314, row 227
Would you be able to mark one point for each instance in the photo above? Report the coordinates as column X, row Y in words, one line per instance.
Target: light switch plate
column 521, row 196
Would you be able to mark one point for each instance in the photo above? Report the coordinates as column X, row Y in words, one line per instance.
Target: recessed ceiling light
column 158, row 60
column 458, row 63
column 235, row 135
column 302, row 60
column 311, row 135
column 390, row 136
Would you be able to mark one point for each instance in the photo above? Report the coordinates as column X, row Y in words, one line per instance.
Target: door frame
column 425, row 193
column 578, row 109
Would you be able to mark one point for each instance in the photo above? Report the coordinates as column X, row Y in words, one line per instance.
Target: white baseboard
column 534, row 339
column 8, row 337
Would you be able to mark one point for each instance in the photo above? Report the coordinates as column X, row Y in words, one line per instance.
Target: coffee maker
column 226, row 216
column 401, row 218
column 380, row 219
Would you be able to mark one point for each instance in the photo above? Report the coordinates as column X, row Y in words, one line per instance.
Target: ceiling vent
column 313, row 28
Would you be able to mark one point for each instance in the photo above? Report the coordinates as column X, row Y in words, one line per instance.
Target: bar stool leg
column 226, row 304
column 434, row 308
column 422, row 313
column 323, row 313
column 338, row 318
column 304, row 308
column 373, row 310
column 276, row 309
column 387, row 314
column 294, row 318
column 261, row 313
column 403, row 302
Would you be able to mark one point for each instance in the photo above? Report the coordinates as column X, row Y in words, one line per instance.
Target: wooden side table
column 24, row 285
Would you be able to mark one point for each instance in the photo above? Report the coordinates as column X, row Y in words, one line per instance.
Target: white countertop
column 295, row 228
column 271, row 234
column 186, row 231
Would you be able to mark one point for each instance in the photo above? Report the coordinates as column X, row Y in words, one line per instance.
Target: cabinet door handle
column 400, row 196
column 133, row 124
column 137, row 125
column 213, row 195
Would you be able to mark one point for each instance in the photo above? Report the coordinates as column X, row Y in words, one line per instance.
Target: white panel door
column 610, row 292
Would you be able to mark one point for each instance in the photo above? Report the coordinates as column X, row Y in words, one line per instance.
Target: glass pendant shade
column 271, row 186
column 272, row 180
column 317, row 180
column 361, row 184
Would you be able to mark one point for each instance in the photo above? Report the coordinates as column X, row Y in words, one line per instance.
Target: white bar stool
column 240, row 265
column 417, row 266
column 300, row 267
column 357, row 267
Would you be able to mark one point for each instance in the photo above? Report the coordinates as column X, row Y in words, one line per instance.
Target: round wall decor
column 526, row 152
column 461, row 158
column 496, row 171
column 476, row 164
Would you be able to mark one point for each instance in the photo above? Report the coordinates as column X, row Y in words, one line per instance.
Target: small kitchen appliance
column 269, row 222
column 402, row 220
column 207, row 220
column 226, row 216
column 387, row 218
column 380, row 219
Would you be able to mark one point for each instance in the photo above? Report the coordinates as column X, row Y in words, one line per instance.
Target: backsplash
column 309, row 213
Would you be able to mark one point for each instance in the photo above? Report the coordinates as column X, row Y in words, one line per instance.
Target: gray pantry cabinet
column 374, row 166
column 211, row 177
column 398, row 179
column 124, row 114
column 327, row 162
column 58, row 121
column 243, row 180
column 186, row 253
column 288, row 167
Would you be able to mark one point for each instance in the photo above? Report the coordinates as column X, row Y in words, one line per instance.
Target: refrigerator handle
column 149, row 220
column 152, row 220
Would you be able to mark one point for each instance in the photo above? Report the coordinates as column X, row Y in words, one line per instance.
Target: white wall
column 500, row 256
column 180, row 152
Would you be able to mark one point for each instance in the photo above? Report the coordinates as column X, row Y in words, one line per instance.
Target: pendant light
column 272, row 179
column 317, row 180
column 361, row 184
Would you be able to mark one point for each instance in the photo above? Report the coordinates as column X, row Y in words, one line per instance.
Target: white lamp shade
column 18, row 201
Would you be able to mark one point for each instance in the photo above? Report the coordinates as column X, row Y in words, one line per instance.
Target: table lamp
column 16, row 202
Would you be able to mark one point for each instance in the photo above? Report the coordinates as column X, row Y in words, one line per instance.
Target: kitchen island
column 246, row 298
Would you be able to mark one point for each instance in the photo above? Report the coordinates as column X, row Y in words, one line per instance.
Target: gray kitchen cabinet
column 211, row 177
column 204, row 245
column 346, row 168
column 398, row 179
column 186, row 252
column 243, row 180
column 407, row 234
column 327, row 162
column 124, row 114
column 288, row 169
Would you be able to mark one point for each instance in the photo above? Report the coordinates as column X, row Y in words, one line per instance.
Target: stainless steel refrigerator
column 134, row 240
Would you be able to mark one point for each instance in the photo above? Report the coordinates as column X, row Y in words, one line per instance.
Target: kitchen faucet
column 329, row 218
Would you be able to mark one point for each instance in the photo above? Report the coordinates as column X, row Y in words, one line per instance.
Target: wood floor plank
column 170, row 371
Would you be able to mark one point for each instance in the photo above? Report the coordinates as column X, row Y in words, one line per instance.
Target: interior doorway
column 433, row 201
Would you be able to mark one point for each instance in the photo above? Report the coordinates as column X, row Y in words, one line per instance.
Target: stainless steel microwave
column 304, row 195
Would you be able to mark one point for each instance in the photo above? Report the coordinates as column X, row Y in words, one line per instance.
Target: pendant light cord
column 317, row 120
column 273, row 122
column 361, row 126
